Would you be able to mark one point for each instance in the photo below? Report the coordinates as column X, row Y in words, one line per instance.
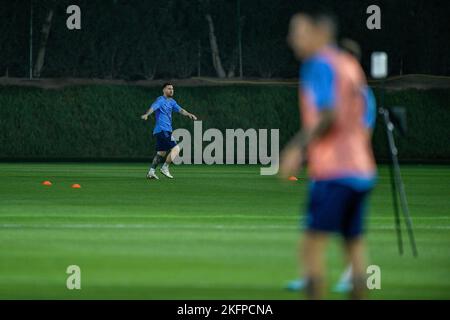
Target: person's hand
column 144, row 117
column 192, row 117
column 291, row 161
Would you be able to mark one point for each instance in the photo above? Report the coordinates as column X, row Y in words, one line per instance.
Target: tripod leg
column 396, row 213
column 393, row 152
column 398, row 182
column 405, row 208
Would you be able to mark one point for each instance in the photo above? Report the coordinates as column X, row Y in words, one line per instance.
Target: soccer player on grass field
column 344, row 284
column 165, row 143
column 338, row 114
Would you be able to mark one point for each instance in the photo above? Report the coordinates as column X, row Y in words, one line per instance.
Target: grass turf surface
column 215, row 232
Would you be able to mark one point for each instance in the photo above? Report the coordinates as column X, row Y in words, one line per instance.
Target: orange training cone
column 292, row 178
column 76, row 186
column 46, row 183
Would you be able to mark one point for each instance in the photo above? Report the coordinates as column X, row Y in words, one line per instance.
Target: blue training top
column 318, row 76
column 163, row 108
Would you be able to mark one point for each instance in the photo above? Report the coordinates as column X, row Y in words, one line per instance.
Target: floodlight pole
column 379, row 70
column 31, row 40
column 241, row 74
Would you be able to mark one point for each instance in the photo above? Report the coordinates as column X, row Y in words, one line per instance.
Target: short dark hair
column 166, row 84
column 323, row 16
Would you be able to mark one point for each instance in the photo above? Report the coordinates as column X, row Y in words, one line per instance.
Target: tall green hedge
column 103, row 122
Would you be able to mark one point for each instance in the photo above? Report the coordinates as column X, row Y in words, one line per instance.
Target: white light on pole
column 379, row 65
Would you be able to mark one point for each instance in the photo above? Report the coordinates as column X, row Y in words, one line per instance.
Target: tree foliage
column 137, row 39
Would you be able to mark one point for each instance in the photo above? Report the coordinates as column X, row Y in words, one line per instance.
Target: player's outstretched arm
column 188, row 114
column 147, row 114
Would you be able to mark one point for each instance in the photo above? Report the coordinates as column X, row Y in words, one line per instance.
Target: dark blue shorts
column 164, row 141
column 336, row 208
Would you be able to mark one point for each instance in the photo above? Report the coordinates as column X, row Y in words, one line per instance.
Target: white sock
column 165, row 165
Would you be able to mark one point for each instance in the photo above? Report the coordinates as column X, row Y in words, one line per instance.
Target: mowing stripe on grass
column 182, row 226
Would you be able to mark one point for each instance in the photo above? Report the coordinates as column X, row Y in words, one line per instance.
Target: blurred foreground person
column 337, row 113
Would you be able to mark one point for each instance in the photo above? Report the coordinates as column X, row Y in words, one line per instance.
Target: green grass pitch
column 214, row 232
